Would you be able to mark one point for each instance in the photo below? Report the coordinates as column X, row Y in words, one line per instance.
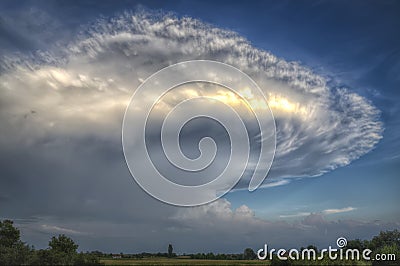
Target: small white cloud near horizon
column 58, row 229
column 334, row 211
column 325, row 212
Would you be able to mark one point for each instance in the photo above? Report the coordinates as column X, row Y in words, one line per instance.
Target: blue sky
column 350, row 44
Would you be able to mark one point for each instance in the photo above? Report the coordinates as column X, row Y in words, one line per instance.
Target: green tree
column 9, row 235
column 170, row 250
column 62, row 252
column 355, row 244
column 63, row 244
column 12, row 250
column 385, row 238
column 313, row 247
column 249, row 254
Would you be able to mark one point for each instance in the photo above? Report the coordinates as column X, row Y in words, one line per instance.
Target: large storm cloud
column 61, row 113
column 82, row 90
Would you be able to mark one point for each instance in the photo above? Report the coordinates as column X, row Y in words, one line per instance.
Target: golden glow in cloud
column 279, row 105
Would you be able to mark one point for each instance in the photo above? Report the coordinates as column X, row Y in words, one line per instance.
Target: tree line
column 62, row 250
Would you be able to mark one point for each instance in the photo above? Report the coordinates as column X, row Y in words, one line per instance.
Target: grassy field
column 185, row 261
column 166, row 261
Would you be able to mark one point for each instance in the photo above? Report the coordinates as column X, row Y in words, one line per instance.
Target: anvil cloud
column 81, row 90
